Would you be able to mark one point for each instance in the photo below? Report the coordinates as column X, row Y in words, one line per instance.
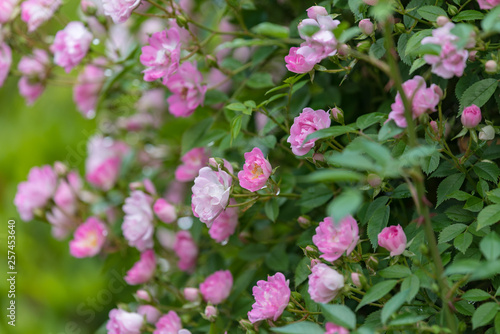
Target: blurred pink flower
column 5, row 62
column 188, row 93
column 225, row 224
column 217, row 287
column 168, row 324
column 143, row 270
column 314, row 11
column 301, row 60
column 30, row 91
column 165, row 211
column 306, row 123
column 488, row 4
column 62, row 223
column 191, row 294
column 187, row 251
column 119, row 10
column 87, row 88
column 192, row 162
column 271, row 298
column 256, row 170
column 366, row 26
column 36, row 12
column 137, row 224
column 123, row 322
column 336, row 239
column 471, row 116
column 331, row 328
column 71, row 45
column 152, row 100
column 66, row 195
column 161, row 56
column 6, row 10
column 151, row 313
column 324, row 283
column 393, row 238
column 34, row 72
column 88, row 238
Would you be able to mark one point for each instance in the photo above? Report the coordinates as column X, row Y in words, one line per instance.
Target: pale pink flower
column 356, row 280
column 451, row 61
column 271, row 298
column 168, row 324
column 71, row 45
column 87, row 88
column 6, row 10
column 192, row 162
column 210, row 312
column 36, row 12
column 191, row 294
column 162, row 55
column 471, row 116
column 336, row 239
column 143, row 270
column 151, row 313
column 62, row 223
column 302, row 60
column 34, row 193
column 488, row 4
column 5, row 62
column 119, row 42
column 66, row 195
column 104, row 161
column 123, row 322
column 143, row 294
column 88, row 238
column 137, row 224
column 225, row 224
column 217, row 287
column 393, row 238
column 422, row 99
column 186, row 249
column 30, row 91
column 309, row 121
column 324, row 283
column 188, row 93
column 119, row 10
column 331, row 328
column 165, row 211
column 149, row 27
column 210, row 194
column 314, row 11
column 366, row 26
column 256, row 170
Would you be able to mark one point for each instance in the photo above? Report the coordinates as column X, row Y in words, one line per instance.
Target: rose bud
column 490, row 67
column 487, row 133
column 393, row 239
column 471, row 116
column 366, row 26
column 324, row 283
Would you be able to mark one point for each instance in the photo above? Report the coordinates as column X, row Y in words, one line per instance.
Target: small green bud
column 297, row 296
column 400, row 28
column 364, row 46
column 452, row 10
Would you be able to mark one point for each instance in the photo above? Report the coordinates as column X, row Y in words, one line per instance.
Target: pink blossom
column 186, row 249
column 451, row 61
column 176, row 192
column 331, row 328
column 302, row 60
column 151, row 313
column 210, row 312
column 162, row 55
column 256, row 170
column 356, row 280
column 88, row 238
column 192, row 162
column 62, row 223
column 104, row 161
column 87, row 88
column 271, row 298
column 71, row 45
column 137, row 224
column 30, row 91
column 188, row 93
column 5, row 62
column 66, row 195
column 165, row 211
column 471, row 116
column 191, row 294
column 423, row 100
column 217, row 287
column 34, row 193
column 210, row 194
column 143, row 294
column 119, row 10
column 393, row 238
column 168, row 324
column 123, row 322
column 143, row 270
column 309, row 121
column 366, row 26
column 324, row 283
column 149, row 27
column 488, row 4
column 225, row 224
column 336, row 239
column 314, row 11
column 36, row 12
column 119, row 42
column 6, row 10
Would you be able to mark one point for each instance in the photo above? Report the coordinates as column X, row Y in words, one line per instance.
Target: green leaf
column 393, row 305
column 315, row 196
column 333, row 131
column 272, row 209
column 214, row 96
column 350, row 159
column 347, row 203
column 448, row 186
column 376, row 292
column 465, row 82
column 430, row 13
column 376, row 224
column 476, row 295
column 395, row 271
column 407, row 319
column 479, row 93
column 402, row 41
column 365, row 121
column 415, row 41
column 463, row 242
column 340, row 315
column 333, row 175
column 277, row 258
column 238, row 107
column 377, row 49
column 389, row 130
column 302, row 271
column 460, row 195
column 497, row 323
column 451, row 232
column 260, row 80
column 484, row 314
column 494, row 195
column 235, row 127
column 415, row 156
column 412, row 284
column 271, row 30
column 349, row 34
column 487, row 170
column 474, row 204
column 299, row 328
column 491, row 22
column 463, row 307
column 488, row 216
column 463, row 31
column 468, row 15
column 417, row 64
column 192, row 137
column 490, row 246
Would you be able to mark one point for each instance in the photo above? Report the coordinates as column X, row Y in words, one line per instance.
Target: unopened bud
column 246, row 324
column 337, row 114
column 374, row 180
column 143, row 294
column 355, row 280
column 487, row 133
column 297, row 296
column 452, row 10
column 304, row 222
column 371, row 2
column 424, row 249
column 399, row 28
column 191, row 294
column 366, row 26
column 60, row 168
column 363, row 46
column 88, row 7
column 290, row 306
column 472, row 55
column 181, row 21
column 211, row 61
column 136, row 186
column 442, row 20
column 490, row 67
column 343, row 50
column 210, row 313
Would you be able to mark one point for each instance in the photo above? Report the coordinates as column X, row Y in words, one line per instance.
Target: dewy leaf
column 299, row 328
column 478, row 94
column 347, row 203
column 340, row 315
column 484, row 314
column 490, row 246
column 376, row 292
column 451, row 232
column 448, row 186
column 393, row 305
column 431, row 13
column 488, row 216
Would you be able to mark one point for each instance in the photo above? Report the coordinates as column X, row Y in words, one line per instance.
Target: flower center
column 256, row 171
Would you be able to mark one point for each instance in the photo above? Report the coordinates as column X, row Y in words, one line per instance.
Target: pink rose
column 324, row 283
column 66, row 195
column 256, row 170
column 71, row 45
column 336, row 239
column 88, row 238
column 137, row 224
column 143, row 270
column 314, row 11
column 34, row 193
column 210, row 313
column 302, row 60
column 271, row 298
column 191, row 294
column 488, row 4
column 187, row 251
column 62, row 223
column 151, row 313
column 192, row 162
column 119, row 10
column 309, row 121
column 188, row 93
column 331, row 328
column 5, row 62
column 162, row 55
column 123, row 322
column 144, row 295
column 36, row 12
column 30, row 91
column 393, row 239
column 216, row 287
column 366, row 26
column 210, row 194
column 87, row 88
column 225, row 224
column 6, row 9
column 168, row 324
column 165, row 211
column 471, row 116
